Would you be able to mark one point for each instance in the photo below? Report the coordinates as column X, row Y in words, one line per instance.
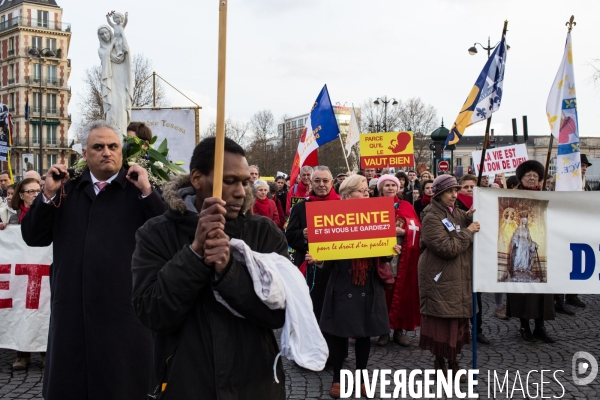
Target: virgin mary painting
column 524, row 264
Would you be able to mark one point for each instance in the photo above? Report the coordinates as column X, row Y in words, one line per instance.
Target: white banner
column 177, row 126
column 501, row 159
column 24, row 292
column 536, row 242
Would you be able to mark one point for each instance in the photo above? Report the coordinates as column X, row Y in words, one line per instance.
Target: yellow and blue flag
column 485, row 96
column 561, row 110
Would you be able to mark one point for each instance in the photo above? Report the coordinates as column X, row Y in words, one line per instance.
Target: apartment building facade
column 34, row 70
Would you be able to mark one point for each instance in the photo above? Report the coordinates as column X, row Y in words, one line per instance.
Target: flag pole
column 220, row 134
column 485, row 142
column 547, row 167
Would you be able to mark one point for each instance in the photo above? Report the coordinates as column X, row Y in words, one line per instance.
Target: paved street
column 507, row 352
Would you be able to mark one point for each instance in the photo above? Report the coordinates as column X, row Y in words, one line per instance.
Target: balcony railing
column 35, row 23
column 53, row 82
column 11, row 109
column 21, row 141
column 48, row 82
column 53, row 111
column 11, row 81
column 11, row 52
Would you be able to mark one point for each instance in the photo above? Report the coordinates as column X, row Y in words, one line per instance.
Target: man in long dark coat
column 97, row 348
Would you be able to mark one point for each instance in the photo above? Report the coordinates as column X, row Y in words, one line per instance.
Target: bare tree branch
column 422, row 120
column 143, row 93
column 234, row 130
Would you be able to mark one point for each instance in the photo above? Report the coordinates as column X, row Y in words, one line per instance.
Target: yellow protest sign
column 387, row 149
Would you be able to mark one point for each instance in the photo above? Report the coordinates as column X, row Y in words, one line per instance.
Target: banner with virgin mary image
column 536, row 242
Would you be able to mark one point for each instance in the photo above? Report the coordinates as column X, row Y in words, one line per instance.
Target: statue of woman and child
column 117, row 78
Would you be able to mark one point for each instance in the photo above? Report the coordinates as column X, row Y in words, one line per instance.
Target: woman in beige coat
column 445, row 269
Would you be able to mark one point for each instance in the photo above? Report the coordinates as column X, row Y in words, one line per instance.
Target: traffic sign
column 443, row 166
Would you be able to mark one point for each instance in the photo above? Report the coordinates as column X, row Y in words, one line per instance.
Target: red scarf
column 360, row 270
column 24, row 211
column 425, row 200
column 465, row 199
column 526, row 188
column 261, row 207
column 331, row 196
column 301, row 190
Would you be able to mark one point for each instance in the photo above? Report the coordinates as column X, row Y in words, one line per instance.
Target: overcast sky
column 281, row 52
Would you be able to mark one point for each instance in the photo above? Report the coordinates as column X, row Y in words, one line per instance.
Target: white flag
column 353, row 135
column 561, row 110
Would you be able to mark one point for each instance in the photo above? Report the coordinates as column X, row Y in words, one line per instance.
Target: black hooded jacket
column 201, row 350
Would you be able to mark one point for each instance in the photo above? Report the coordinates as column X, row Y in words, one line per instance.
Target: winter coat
column 294, row 232
column 201, row 349
column 530, row 305
column 316, row 278
column 97, row 347
column 280, row 212
column 447, row 255
column 282, row 196
column 350, row 310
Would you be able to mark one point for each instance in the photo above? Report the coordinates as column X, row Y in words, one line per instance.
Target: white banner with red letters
column 536, row 242
column 24, row 292
column 500, row 159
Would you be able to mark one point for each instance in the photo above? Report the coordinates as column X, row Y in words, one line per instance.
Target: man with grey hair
column 302, row 188
column 297, row 235
column 33, row 174
column 254, row 173
column 97, row 347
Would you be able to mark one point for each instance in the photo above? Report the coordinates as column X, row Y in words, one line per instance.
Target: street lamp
column 473, row 49
column 40, row 54
column 385, row 102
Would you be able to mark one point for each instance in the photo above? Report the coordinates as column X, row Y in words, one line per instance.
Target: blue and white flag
column 485, row 95
column 561, row 110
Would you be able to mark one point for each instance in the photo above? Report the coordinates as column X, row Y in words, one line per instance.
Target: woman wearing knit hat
column 403, row 299
column 445, row 269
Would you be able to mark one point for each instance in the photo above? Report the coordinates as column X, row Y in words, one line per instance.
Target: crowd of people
column 193, row 322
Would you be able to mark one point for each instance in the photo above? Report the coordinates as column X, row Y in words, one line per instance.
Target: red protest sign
column 357, row 228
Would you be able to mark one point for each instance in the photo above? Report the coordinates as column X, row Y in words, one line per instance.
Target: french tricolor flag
column 321, row 127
